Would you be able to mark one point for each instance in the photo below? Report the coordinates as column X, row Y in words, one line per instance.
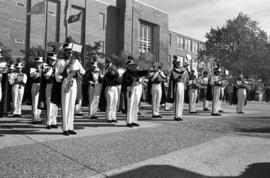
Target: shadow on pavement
column 254, row 130
column 257, row 170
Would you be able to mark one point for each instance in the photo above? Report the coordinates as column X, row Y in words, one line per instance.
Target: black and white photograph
column 134, row 89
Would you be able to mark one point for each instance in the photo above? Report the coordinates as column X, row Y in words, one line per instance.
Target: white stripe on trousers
column 179, row 99
column 68, row 105
column 112, row 100
column 241, row 98
column 216, row 99
column 133, row 103
column 193, row 94
column 52, row 109
column 35, row 95
column 17, row 97
column 156, row 98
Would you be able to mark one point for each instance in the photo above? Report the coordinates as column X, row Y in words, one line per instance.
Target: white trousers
column 35, row 95
column 156, row 98
column 17, row 97
column 133, row 103
column 179, row 99
column 193, row 94
column 52, row 109
column 241, row 98
column 68, row 105
column 112, row 100
column 216, row 99
column 205, row 103
column 220, row 101
column 93, row 101
column 119, row 96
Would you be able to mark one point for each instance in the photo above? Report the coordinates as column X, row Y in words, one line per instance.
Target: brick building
column 128, row 26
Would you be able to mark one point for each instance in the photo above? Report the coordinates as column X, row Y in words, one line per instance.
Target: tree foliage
column 6, row 53
column 239, row 45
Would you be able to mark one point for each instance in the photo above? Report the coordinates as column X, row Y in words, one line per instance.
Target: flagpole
column 66, row 22
column 46, row 31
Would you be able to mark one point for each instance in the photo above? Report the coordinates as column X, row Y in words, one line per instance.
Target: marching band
column 118, row 89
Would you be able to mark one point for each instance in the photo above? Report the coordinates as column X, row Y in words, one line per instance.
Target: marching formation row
column 54, row 85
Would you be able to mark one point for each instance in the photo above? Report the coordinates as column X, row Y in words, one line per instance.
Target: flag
column 38, row 8
column 74, row 18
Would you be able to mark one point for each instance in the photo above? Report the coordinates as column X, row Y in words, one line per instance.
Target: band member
column 204, row 81
column 111, row 80
column 225, row 77
column 7, row 82
column 5, row 102
column 18, row 85
column 193, row 87
column 121, row 106
column 66, row 71
column 93, row 76
column 35, row 75
column 217, row 83
column 132, row 88
column 240, row 90
column 156, row 78
column 178, row 79
column 52, row 108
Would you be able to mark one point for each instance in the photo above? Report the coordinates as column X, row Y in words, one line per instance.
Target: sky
column 195, row 17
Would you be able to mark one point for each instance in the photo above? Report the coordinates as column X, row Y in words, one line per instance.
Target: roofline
column 104, row 2
column 186, row 36
column 152, row 7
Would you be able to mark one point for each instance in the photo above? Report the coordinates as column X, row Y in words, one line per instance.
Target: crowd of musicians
column 54, row 87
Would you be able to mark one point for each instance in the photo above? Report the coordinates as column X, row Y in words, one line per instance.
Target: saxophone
column 70, row 75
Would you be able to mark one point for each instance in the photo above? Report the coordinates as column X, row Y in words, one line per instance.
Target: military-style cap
column 19, row 65
column 52, row 56
column 39, row 60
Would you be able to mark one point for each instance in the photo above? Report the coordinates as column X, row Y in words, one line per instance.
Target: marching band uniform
column 111, row 81
column 156, row 77
column 204, row 81
column 18, row 85
column 7, row 81
column 240, row 88
column 52, row 108
column 192, row 92
column 94, row 79
column 65, row 71
column 35, row 74
column 132, row 88
column 5, row 100
column 176, row 90
column 217, row 83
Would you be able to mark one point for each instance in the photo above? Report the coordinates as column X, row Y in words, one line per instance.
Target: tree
column 239, row 45
column 6, row 52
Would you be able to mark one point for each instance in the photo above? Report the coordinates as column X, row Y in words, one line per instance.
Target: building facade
column 129, row 26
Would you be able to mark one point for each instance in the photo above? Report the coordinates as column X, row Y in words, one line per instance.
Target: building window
column 19, row 41
column 195, row 47
column 180, row 42
column 170, row 39
column 146, row 37
column 188, row 45
column 102, row 21
column 21, row 4
column 170, row 61
column 51, row 12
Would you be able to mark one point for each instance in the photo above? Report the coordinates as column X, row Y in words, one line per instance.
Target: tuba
column 70, row 74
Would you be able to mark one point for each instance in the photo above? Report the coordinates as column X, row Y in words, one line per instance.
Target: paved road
column 201, row 146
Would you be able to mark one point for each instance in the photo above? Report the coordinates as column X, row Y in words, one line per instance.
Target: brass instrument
column 70, row 74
